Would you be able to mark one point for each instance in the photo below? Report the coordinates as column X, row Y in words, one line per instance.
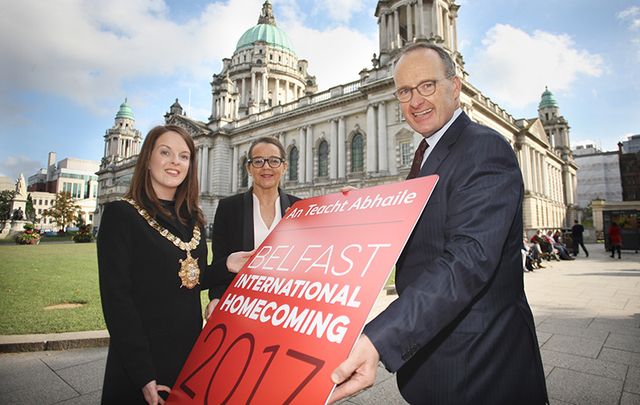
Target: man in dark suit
column 461, row 330
column 576, row 234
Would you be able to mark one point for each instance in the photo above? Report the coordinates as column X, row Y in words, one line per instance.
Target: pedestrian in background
column 576, row 234
column 615, row 240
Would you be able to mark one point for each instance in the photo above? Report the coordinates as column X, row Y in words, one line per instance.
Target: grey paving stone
column 613, row 302
column 27, row 375
column 583, row 389
column 559, row 329
column 39, row 394
column 547, row 369
column 543, row 337
column 602, row 368
column 553, row 401
column 620, row 356
column 58, row 360
column 85, row 378
column 629, row 399
column 621, row 326
column 623, row 342
column 585, row 347
column 92, row 398
column 632, row 383
column 568, row 321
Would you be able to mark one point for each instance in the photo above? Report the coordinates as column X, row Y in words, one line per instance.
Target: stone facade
column 354, row 134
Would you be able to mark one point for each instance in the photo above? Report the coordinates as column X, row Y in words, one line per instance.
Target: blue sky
column 67, row 66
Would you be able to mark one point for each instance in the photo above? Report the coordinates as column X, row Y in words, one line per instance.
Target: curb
column 53, row 341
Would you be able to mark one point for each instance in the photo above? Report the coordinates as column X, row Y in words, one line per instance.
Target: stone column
column 539, row 173
column 421, row 18
column 309, row 153
column 409, row 23
column 234, row 169
column 526, row 167
column 371, row 139
column 342, row 148
column 545, row 178
column 276, row 97
column 333, row 149
column 205, row 169
column 253, row 86
column 382, row 22
column 302, row 140
column 390, row 31
column 265, row 87
column 383, row 150
column 396, row 29
column 243, row 95
column 200, row 168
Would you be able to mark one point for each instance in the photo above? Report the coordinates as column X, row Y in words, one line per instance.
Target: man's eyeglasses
column 259, row 162
column 425, row 89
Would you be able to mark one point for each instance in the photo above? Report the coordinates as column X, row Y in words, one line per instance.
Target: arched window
column 323, row 159
column 293, row 164
column 244, row 179
column 357, row 153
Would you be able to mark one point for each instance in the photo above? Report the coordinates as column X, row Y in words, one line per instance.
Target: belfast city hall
column 351, row 134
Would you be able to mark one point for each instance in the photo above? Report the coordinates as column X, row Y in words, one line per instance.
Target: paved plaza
column 587, row 314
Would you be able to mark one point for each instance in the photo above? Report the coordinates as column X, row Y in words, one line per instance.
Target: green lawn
column 35, row 277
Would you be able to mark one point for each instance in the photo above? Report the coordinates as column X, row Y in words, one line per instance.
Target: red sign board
column 293, row 313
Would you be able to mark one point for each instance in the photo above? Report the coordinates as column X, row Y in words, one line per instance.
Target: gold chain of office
column 189, row 271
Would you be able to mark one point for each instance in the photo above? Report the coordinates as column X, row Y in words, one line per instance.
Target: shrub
column 30, row 235
column 84, row 234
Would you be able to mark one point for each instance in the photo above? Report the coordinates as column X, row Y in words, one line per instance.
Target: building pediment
column 194, row 127
column 533, row 128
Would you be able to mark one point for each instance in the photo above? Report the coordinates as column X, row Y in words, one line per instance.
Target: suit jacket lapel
column 437, row 156
column 284, row 201
column 247, row 223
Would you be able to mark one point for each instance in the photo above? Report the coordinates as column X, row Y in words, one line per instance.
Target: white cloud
column 88, row 51
column 336, row 55
column 632, row 14
column 515, row 66
column 85, row 50
column 13, row 166
column 340, row 10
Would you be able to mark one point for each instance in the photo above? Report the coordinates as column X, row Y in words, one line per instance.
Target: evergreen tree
column 30, row 212
column 5, row 203
column 63, row 210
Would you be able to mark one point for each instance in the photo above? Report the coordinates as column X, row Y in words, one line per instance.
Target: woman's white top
column 260, row 229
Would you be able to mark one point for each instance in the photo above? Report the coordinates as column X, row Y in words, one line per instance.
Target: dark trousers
column 576, row 243
column 614, row 249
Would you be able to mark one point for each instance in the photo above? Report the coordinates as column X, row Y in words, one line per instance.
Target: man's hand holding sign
column 293, row 313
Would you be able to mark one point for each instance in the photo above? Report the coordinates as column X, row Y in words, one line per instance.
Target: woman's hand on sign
column 150, row 393
column 236, row 260
column 210, row 307
column 345, row 190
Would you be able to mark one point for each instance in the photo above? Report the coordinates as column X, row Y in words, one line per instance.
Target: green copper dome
column 125, row 111
column 265, row 31
column 268, row 33
column 547, row 101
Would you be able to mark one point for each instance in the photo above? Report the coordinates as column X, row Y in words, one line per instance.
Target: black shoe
column 612, row 257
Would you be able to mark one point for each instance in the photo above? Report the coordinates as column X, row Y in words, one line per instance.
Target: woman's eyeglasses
column 259, row 162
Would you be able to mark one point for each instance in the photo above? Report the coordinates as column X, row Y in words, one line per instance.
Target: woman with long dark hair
column 151, row 257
